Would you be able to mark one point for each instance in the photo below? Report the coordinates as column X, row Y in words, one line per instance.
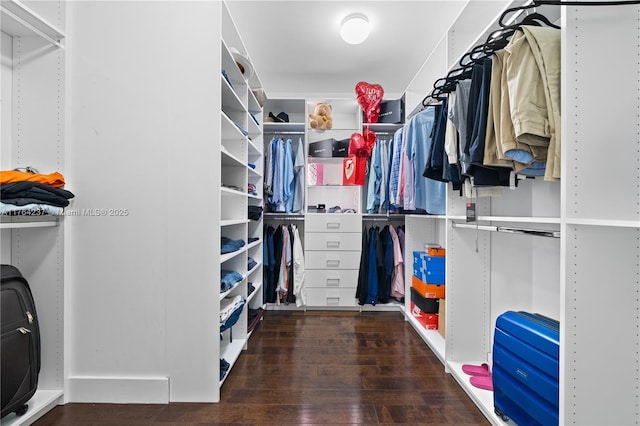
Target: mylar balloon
column 357, row 145
column 369, row 97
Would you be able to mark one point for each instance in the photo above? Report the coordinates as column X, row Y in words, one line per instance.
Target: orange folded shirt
column 54, row 179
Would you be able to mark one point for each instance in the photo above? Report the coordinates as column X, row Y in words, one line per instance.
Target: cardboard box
column 391, row 111
column 340, row 148
column 436, row 291
column 427, row 305
column 441, row 318
column 430, row 269
column 322, row 149
column 428, row 321
column 436, row 251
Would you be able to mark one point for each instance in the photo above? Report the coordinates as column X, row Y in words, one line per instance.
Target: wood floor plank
column 313, row 368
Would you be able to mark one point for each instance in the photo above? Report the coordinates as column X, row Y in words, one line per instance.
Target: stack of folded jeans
column 228, row 279
column 227, row 245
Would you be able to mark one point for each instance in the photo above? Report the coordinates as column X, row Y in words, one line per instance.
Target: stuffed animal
column 321, row 117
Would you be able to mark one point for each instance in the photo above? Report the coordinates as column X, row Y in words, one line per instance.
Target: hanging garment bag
column 20, row 342
column 526, row 368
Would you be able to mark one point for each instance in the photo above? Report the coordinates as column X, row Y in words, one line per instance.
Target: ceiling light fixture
column 355, row 28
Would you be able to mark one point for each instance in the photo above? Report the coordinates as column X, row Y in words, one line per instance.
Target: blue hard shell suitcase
column 526, row 351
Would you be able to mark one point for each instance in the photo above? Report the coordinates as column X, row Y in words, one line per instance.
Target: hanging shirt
column 299, row 289
column 459, row 119
column 268, row 176
column 298, row 171
column 394, row 172
column 384, row 182
column 373, row 184
column 420, row 192
column 288, row 176
column 397, row 279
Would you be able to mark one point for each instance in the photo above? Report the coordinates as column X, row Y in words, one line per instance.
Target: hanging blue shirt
column 429, row 194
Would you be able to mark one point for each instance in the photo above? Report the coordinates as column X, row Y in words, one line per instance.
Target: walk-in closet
column 384, row 214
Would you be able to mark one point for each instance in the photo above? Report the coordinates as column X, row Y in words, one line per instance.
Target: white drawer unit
column 347, row 278
column 333, row 222
column 333, row 245
column 332, row 260
column 331, row 297
column 331, row 241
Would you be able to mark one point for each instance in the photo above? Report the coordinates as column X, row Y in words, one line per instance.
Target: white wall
column 117, row 156
column 143, row 138
column 6, row 129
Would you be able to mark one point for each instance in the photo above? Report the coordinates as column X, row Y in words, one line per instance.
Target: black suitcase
column 20, row 344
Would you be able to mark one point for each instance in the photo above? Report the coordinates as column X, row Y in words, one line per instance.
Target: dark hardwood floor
column 314, row 368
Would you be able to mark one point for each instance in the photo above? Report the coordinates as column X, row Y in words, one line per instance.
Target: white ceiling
column 297, row 50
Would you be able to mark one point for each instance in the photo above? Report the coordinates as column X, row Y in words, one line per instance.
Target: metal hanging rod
column 283, row 218
column 284, row 133
column 382, row 218
column 508, row 229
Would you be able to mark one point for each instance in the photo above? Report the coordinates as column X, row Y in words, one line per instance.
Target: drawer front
column 333, row 241
column 332, row 297
column 333, row 222
column 331, row 259
column 332, row 278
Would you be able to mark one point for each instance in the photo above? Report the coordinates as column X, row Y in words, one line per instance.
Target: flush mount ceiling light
column 355, row 28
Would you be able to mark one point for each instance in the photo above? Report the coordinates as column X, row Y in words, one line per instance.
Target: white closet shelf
column 601, row 222
column 233, row 222
column 482, row 398
column 253, row 294
column 230, row 132
column 382, row 127
column 19, row 20
column 234, row 192
column 253, row 149
column 252, row 245
column 432, row 338
column 228, row 256
column 283, row 128
column 15, row 222
column 230, row 99
column 230, row 160
column 42, row 402
column 254, row 172
column 231, row 351
column 255, row 268
column 232, row 289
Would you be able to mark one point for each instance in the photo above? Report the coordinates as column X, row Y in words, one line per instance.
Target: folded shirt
column 54, row 179
column 26, row 192
column 30, row 210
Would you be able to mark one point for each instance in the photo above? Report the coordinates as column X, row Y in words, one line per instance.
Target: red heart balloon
column 369, row 97
column 357, row 145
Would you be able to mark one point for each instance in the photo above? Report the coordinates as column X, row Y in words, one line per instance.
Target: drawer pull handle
column 333, row 244
column 333, row 262
column 333, row 301
column 333, row 225
column 333, row 281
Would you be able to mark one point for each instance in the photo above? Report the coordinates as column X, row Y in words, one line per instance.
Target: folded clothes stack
column 29, row 193
column 227, row 245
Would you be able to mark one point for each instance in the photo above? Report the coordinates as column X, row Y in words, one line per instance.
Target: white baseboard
column 123, row 390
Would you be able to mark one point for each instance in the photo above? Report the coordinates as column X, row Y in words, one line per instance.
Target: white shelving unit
column 33, row 134
column 241, row 164
column 595, row 218
column 346, row 114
